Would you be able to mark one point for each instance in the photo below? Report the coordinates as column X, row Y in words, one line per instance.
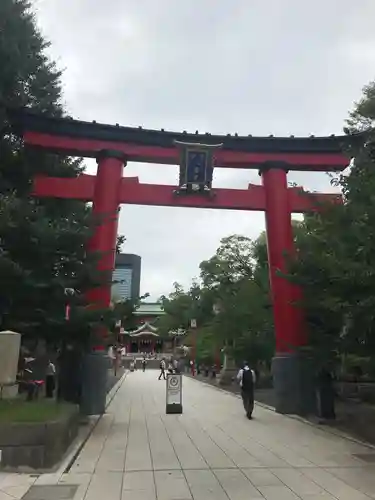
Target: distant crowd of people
column 172, row 367
column 166, row 366
column 37, row 374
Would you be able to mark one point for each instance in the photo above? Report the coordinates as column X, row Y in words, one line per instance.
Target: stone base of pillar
column 94, row 383
column 293, row 382
column 9, row 391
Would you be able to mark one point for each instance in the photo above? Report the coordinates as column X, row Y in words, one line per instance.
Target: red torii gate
column 113, row 146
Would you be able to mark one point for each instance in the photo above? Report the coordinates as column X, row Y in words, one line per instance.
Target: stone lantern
column 9, row 354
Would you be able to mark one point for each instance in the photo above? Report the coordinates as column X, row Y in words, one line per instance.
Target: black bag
column 247, row 380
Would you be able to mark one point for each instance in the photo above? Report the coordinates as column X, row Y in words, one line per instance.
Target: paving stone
column 236, row 485
column 51, row 492
column 171, row 485
column 138, row 481
column 211, row 451
column 16, row 491
column 336, row 487
column 105, row 485
column 298, row 482
column 138, row 486
column 214, row 456
column 163, row 454
column 262, row 477
column 278, row 493
column 187, row 452
column 204, row 485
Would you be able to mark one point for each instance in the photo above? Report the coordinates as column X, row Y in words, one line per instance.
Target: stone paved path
column 212, row 451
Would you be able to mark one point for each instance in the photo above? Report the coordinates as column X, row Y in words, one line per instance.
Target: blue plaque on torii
column 196, row 167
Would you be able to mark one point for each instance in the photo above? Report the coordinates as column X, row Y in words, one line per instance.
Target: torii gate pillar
column 105, row 211
column 105, row 216
column 291, row 375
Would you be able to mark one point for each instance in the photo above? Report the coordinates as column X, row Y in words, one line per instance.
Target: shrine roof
column 149, row 309
column 141, row 334
column 26, row 120
column 145, row 329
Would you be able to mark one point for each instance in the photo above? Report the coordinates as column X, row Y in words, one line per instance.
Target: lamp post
column 193, row 326
column 216, row 309
column 229, row 368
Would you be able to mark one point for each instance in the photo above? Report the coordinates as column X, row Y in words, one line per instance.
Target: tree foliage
column 336, row 257
column 42, row 241
column 230, row 303
column 182, row 306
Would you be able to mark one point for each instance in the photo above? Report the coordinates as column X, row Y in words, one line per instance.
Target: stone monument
column 229, row 370
column 9, row 352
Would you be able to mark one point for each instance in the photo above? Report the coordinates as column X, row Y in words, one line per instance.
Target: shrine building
column 145, row 338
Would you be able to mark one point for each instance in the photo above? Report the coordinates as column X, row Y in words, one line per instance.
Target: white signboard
column 174, row 389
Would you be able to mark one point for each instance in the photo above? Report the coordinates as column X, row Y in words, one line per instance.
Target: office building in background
column 127, row 274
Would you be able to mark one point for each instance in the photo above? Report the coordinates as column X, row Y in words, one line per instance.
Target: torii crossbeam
column 132, row 192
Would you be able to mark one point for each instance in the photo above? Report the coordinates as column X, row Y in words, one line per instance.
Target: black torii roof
column 27, row 120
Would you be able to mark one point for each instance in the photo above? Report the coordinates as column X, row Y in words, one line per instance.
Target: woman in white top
column 50, row 379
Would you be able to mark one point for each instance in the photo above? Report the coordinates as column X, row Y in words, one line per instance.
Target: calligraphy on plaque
column 197, row 163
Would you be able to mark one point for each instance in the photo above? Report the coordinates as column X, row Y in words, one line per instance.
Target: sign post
column 174, row 393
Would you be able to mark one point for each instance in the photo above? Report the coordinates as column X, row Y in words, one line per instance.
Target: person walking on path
column 162, row 369
column 175, row 366
column 247, row 378
column 170, row 366
column 50, row 379
column 144, row 363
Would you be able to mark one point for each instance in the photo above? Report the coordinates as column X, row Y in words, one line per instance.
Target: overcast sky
column 256, row 67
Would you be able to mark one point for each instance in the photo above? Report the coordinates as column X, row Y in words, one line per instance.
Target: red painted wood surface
column 134, row 193
column 158, row 155
column 105, row 217
column 289, row 324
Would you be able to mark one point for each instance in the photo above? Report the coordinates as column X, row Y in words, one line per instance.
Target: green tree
column 231, row 303
column 362, row 117
column 237, row 278
column 42, row 242
column 205, row 345
column 336, row 253
column 232, row 261
column 178, row 308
